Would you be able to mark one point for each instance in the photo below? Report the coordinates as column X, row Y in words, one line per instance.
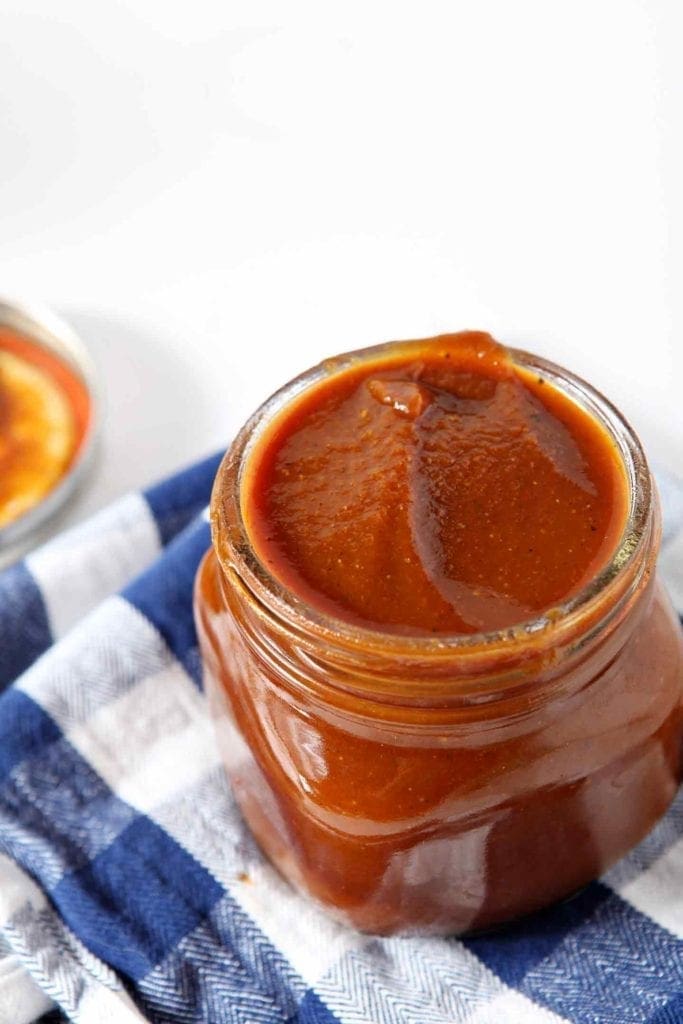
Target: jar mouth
column 235, row 551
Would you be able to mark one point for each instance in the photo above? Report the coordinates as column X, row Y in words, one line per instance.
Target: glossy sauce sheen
column 439, row 787
column 44, row 411
column 444, row 491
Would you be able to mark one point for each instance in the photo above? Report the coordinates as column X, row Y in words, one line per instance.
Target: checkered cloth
column 130, row 889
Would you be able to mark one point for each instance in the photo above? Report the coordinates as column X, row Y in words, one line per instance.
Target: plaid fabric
column 131, row 891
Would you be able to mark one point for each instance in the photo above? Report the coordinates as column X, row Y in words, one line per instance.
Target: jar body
column 432, row 820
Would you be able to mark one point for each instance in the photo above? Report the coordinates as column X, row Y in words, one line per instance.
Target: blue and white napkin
column 130, row 889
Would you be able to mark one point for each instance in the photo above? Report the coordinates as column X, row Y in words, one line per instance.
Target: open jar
column 444, row 784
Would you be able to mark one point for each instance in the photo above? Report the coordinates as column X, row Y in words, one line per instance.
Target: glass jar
column 441, row 785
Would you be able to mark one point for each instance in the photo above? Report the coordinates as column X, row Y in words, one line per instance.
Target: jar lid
column 48, row 422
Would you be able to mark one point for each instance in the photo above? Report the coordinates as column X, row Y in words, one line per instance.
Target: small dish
column 39, row 339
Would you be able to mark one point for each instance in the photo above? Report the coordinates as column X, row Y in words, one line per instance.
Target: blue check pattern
column 130, row 889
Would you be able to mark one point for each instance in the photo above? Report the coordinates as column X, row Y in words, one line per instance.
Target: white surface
column 219, row 194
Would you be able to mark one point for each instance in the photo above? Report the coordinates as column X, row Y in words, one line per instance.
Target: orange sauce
column 44, row 415
column 442, row 491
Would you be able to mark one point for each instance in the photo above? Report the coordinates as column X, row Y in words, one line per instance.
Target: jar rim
column 234, row 548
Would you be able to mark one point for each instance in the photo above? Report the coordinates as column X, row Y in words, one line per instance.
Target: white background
column 217, row 195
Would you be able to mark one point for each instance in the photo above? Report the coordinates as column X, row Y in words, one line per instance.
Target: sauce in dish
column 44, row 411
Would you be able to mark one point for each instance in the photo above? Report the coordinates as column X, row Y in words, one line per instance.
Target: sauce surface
column 43, row 415
column 446, row 490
